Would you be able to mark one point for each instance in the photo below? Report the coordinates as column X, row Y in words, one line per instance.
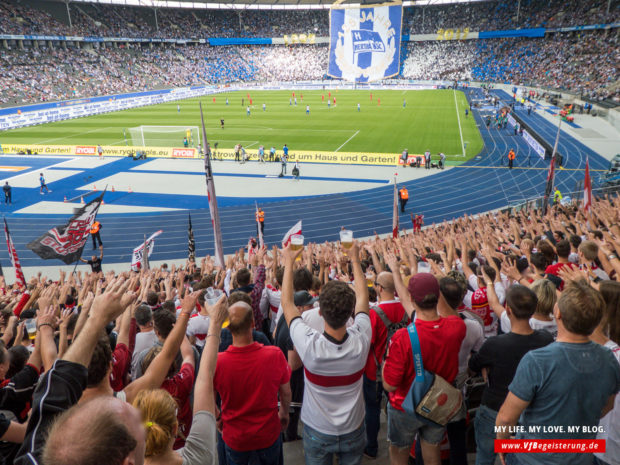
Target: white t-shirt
column 144, row 340
column 198, row 326
column 333, row 395
column 611, row 423
column 314, row 319
column 474, row 338
column 270, row 303
column 550, row 326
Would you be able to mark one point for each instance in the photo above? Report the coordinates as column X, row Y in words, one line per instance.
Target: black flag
column 191, row 243
column 66, row 242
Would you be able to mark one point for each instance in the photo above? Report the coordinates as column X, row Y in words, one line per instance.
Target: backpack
column 391, row 329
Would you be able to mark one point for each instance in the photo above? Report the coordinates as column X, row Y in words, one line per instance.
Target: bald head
column 385, row 280
column 104, row 427
column 241, row 318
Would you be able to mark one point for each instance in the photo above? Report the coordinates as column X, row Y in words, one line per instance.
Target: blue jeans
column 271, row 455
column 319, row 448
column 372, row 398
column 484, row 424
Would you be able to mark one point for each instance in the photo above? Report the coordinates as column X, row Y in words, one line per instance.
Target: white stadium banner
column 365, row 42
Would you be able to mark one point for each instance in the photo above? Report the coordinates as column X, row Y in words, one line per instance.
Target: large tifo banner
column 365, row 42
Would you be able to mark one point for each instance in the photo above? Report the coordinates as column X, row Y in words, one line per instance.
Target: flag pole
column 213, row 210
column 550, row 181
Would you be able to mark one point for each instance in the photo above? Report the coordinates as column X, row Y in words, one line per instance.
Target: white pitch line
column 345, row 142
column 248, row 146
column 67, row 137
column 458, row 117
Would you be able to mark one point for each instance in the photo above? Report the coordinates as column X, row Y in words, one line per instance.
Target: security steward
column 403, row 197
column 511, row 158
column 260, row 218
column 557, row 196
column 94, row 233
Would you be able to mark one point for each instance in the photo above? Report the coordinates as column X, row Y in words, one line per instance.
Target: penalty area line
column 346, row 141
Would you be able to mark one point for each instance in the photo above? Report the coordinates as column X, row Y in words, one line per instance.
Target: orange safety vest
column 94, row 229
column 260, row 216
column 404, row 194
column 511, row 155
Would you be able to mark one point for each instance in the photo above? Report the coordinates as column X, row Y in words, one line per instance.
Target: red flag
column 395, row 212
column 587, row 188
column 19, row 275
column 291, row 232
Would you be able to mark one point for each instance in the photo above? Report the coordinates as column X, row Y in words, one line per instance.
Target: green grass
column 429, row 122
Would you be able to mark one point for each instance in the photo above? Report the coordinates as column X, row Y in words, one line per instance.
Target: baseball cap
column 422, row 285
column 303, row 298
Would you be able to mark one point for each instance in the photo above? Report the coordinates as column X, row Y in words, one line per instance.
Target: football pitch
column 389, row 122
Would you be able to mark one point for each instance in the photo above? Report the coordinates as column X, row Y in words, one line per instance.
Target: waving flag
column 66, row 242
column 587, row 188
column 138, row 256
column 291, row 232
column 215, row 214
column 19, row 275
column 395, row 212
column 365, row 42
column 191, row 243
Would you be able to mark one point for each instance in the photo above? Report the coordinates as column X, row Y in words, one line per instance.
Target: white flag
column 138, row 252
column 291, row 232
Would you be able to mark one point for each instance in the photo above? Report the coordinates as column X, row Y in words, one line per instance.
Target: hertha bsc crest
column 365, row 43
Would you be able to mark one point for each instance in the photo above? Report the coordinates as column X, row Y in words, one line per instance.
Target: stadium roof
column 259, row 4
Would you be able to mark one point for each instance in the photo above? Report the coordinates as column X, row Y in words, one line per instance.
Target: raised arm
column 361, row 289
column 401, row 290
column 157, row 370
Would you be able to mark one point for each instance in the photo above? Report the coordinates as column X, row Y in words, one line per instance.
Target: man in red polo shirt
column 388, row 314
column 249, row 377
column 562, row 248
column 440, row 342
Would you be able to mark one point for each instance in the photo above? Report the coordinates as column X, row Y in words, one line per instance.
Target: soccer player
column 242, row 102
column 264, row 107
column 404, row 103
column 322, row 97
column 307, row 109
column 295, row 101
column 178, row 108
column 213, row 99
column 329, row 102
column 378, row 101
column 250, row 101
column 290, row 102
column 43, row 185
column 358, row 107
column 185, row 142
column 222, row 123
column 248, row 110
column 334, row 100
column 466, row 112
column 371, row 96
column 226, row 100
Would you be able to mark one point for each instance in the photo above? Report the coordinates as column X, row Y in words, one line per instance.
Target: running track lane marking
column 521, row 168
column 458, row 117
column 345, row 142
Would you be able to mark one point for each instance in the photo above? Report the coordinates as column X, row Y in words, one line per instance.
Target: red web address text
column 533, row 446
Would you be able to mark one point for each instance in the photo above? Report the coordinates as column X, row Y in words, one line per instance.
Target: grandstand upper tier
column 46, row 69
column 99, row 19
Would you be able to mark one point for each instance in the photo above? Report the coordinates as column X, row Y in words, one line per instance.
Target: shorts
column 403, row 427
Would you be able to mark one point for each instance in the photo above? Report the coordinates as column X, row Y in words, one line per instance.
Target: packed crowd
column 203, row 364
column 121, row 21
column 501, row 15
column 584, row 64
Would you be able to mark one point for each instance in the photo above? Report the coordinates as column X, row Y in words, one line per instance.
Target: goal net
column 163, row 136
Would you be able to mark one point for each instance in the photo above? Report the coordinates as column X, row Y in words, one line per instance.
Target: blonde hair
column 159, row 414
column 547, row 296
